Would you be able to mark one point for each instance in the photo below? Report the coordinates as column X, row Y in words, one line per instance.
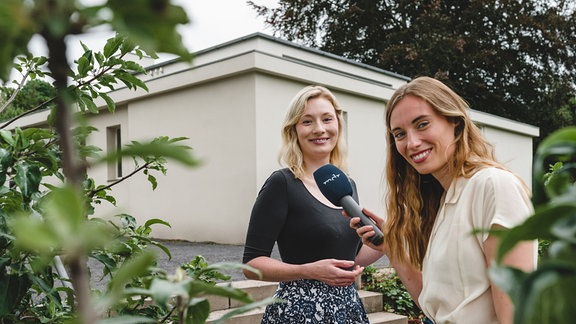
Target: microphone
column 336, row 187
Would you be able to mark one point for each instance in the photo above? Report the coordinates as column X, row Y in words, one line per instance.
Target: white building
column 230, row 103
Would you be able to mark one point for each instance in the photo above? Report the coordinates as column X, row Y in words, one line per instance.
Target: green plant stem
column 93, row 192
column 26, row 113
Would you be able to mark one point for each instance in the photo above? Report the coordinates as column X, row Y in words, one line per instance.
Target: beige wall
column 230, row 103
column 512, row 142
column 201, row 204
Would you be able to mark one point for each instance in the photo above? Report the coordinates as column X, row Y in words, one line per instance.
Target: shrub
column 546, row 295
column 396, row 299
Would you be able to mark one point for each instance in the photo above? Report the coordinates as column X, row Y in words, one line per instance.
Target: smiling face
column 423, row 137
column 317, row 129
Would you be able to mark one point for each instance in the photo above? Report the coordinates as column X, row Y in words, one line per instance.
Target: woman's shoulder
column 496, row 176
column 278, row 181
column 490, row 172
column 284, row 175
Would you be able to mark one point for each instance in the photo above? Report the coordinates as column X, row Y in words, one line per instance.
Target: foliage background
column 515, row 59
column 48, row 229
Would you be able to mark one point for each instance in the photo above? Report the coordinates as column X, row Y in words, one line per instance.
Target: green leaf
column 153, row 221
column 559, row 181
column 7, row 137
column 156, row 148
column 27, row 178
column 108, row 262
column 246, row 308
column 32, row 234
column 507, row 278
column 5, row 160
column 83, row 66
column 152, row 180
column 153, row 26
column 127, row 319
column 565, row 227
column 89, row 151
column 99, row 58
column 536, row 226
column 13, row 288
column 89, row 103
column 546, row 295
column 65, row 206
column 130, row 80
column 119, row 247
column 562, row 250
column 109, row 102
column 21, row 139
column 199, row 288
column 198, row 310
column 84, row 47
column 566, row 135
column 128, row 46
column 133, row 66
column 162, row 290
column 136, row 266
column 560, row 145
column 16, row 29
column 163, row 248
column 112, row 45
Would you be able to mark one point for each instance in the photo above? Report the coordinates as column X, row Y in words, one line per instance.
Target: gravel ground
column 183, row 252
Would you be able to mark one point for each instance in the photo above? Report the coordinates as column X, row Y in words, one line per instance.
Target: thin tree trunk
column 77, row 264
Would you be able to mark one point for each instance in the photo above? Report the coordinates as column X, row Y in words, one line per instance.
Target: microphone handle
column 353, row 210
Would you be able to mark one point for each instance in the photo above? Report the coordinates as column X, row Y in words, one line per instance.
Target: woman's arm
column 330, row 271
column 521, row 257
column 368, row 255
column 411, row 276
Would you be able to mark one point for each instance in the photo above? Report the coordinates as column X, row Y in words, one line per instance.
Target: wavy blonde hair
column 291, row 153
column 413, row 199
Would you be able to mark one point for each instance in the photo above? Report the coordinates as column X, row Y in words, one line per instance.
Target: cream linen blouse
column 456, row 287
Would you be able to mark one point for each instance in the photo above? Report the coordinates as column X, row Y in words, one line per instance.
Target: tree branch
column 16, row 91
column 26, row 113
column 93, row 192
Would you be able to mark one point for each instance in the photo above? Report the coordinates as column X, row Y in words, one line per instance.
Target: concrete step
column 386, row 318
column 258, row 290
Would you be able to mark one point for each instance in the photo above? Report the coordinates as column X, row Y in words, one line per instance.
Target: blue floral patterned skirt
column 312, row 301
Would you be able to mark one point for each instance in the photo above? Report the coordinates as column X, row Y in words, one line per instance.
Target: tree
column 515, row 59
column 33, row 94
column 48, row 229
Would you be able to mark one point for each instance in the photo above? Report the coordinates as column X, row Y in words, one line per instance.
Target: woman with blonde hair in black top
column 320, row 258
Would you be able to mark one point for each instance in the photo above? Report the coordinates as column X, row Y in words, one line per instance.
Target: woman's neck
column 444, row 177
column 311, row 166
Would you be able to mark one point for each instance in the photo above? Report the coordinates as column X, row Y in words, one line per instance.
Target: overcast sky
column 212, row 22
column 218, row 21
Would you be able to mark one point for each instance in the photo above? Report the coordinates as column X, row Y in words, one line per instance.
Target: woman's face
column 317, row 129
column 423, row 137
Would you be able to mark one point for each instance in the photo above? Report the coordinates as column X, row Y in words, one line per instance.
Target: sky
column 217, row 21
column 212, row 22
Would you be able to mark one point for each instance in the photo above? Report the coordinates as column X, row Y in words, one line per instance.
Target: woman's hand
column 332, row 272
column 367, row 231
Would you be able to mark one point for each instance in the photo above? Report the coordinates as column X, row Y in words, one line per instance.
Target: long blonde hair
column 413, row 199
column 291, row 153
